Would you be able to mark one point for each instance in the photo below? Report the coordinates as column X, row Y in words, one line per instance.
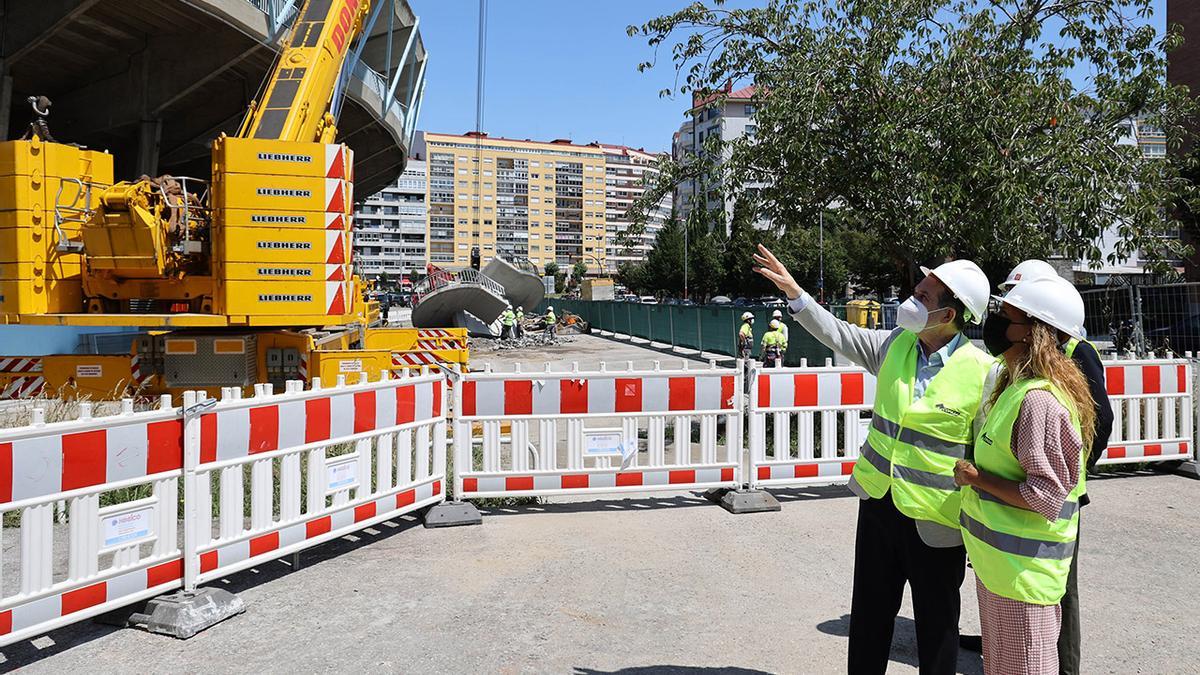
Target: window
column 463, row 171
column 462, row 158
column 462, row 247
column 751, row 130
column 748, row 109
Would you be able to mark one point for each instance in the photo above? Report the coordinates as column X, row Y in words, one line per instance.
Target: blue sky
column 556, row 69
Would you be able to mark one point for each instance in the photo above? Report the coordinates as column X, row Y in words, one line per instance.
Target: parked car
column 648, row 300
column 685, row 302
column 720, row 300
column 742, row 302
column 771, row 301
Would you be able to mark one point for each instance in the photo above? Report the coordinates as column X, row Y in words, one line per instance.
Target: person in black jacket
column 1086, row 357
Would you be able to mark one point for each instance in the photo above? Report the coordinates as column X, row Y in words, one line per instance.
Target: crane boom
column 297, row 100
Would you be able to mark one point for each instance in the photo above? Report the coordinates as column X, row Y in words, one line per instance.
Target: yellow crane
column 243, row 277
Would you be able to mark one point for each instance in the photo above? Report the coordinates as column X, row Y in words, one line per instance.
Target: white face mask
column 912, row 315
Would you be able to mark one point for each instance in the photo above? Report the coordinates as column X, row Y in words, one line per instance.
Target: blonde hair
column 1044, row 359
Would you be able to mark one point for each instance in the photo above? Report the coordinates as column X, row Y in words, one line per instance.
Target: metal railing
column 440, row 279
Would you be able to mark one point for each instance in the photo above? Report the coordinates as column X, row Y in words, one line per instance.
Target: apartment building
column 730, row 119
column 390, row 228
column 541, row 201
column 627, row 172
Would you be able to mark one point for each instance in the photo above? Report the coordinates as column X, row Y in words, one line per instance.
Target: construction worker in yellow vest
column 551, row 320
column 508, row 320
column 746, row 337
column 930, row 384
column 1020, row 530
column 519, row 326
column 777, row 315
column 774, row 344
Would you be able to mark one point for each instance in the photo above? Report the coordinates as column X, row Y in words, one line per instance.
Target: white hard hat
column 1029, row 269
column 778, row 314
column 967, row 282
column 1053, row 300
column 747, row 315
column 774, row 324
column 550, row 308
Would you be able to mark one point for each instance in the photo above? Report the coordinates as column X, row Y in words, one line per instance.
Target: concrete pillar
column 149, row 135
column 5, row 100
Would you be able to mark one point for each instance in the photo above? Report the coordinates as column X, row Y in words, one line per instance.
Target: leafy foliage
column 937, row 128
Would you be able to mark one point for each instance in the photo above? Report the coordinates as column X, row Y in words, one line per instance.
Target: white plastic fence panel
column 1153, row 410
column 816, row 424
column 100, row 495
column 510, row 427
column 321, row 463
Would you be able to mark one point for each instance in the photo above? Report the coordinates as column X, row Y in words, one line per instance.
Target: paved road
column 640, row 585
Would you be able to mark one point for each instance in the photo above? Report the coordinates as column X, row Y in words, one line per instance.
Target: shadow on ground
column 671, row 670
column 28, row 652
column 665, row 501
column 904, row 643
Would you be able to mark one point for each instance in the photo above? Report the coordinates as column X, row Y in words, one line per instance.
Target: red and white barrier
column 21, row 377
column 1152, row 403
column 520, row 420
column 114, row 481
column 825, row 410
column 1153, row 410
column 360, row 454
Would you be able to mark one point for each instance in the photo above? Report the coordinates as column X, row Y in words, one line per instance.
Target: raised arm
column 861, row 346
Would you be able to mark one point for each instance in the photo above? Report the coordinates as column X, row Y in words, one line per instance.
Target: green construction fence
column 709, row 328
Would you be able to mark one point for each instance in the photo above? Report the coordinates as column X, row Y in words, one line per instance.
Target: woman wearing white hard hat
column 1020, row 516
column 1087, row 358
column 930, row 386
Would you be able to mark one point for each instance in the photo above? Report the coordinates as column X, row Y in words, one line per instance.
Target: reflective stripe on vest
column 914, row 457
column 1016, row 552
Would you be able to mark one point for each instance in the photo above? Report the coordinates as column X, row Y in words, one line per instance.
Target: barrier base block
column 182, row 615
column 715, row 495
column 749, row 501
column 452, row 514
column 1189, row 469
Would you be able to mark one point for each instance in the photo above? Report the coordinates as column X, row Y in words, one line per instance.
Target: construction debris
column 529, row 340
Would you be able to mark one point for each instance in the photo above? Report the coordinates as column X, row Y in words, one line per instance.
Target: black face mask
column 995, row 333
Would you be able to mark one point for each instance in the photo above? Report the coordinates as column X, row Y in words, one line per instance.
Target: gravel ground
column 644, row 584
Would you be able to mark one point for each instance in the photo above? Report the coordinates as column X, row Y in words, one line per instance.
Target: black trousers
column 888, row 553
column 1069, row 634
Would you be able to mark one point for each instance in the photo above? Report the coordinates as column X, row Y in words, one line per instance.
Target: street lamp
column 821, row 256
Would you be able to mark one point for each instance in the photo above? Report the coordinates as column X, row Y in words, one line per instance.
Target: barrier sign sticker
column 128, row 527
column 89, row 371
column 342, row 475
column 350, row 366
column 604, row 443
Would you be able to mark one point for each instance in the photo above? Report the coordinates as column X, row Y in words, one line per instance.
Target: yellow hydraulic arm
column 296, row 103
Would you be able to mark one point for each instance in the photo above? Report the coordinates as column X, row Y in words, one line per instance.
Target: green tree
column 385, row 281
column 578, row 271
column 940, row 128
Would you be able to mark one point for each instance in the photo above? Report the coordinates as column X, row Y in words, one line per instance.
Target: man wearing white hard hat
column 777, row 315
column 1028, row 269
column 1085, row 356
column 930, row 385
column 1020, row 504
